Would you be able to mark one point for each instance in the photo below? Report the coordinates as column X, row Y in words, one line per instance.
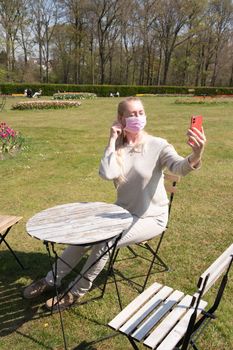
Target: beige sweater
column 143, row 193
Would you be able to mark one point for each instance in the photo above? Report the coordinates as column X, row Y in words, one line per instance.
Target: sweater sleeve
column 109, row 168
column 170, row 159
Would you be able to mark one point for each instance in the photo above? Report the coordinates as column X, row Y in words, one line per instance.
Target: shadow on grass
column 84, row 346
column 14, row 309
column 34, row 340
column 89, row 345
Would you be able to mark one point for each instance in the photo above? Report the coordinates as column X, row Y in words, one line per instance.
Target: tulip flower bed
column 10, row 141
column 45, row 105
column 74, row 96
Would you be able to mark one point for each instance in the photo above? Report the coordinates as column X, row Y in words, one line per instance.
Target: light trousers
column 141, row 229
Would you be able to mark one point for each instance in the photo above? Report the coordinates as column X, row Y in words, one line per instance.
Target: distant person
column 37, row 94
column 29, row 92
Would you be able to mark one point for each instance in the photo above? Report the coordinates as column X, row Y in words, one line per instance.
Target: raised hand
column 197, row 141
column 116, row 130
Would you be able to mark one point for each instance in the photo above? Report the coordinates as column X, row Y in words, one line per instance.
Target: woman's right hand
column 115, row 130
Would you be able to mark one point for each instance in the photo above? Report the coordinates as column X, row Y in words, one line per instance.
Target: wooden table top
column 79, row 223
column 7, row 221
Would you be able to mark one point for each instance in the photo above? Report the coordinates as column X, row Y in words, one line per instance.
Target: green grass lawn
column 60, row 165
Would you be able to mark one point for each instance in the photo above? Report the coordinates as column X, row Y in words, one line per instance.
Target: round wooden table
column 82, row 223
column 79, row 223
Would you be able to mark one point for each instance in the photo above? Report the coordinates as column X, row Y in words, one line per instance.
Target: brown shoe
column 36, row 288
column 64, row 300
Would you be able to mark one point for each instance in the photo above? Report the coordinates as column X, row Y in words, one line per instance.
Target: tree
column 128, row 38
column 10, row 17
column 76, row 15
column 118, row 41
column 106, row 16
column 173, row 18
column 147, row 16
column 62, row 58
column 24, row 37
column 222, row 11
column 44, row 16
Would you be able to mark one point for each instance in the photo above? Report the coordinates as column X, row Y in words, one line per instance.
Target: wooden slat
column 179, row 330
column 222, row 257
column 217, row 273
column 168, row 323
column 135, row 305
column 217, row 268
column 145, row 310
column 171, row 177
column 157, row 315
column 170, row 189
column 7, row 221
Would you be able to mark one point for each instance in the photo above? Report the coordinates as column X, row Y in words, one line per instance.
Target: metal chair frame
column 195, row 328
column 8, row 223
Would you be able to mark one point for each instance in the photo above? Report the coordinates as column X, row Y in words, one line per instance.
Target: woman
column 135, row 162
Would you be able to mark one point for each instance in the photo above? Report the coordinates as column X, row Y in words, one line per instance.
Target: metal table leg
column 111, row 248
column 54, row 271
column 2, row 239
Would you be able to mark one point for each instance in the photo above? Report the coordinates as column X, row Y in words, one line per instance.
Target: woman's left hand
column 197, row 142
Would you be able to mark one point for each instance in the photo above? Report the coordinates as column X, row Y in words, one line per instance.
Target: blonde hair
column 123, row 103
column 121, row 140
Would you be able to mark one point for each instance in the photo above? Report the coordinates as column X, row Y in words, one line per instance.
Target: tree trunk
column 231, row 77
column 159, row 66
column 185, row 79
column 167, row 59
column 214, row 75
column 102, row 65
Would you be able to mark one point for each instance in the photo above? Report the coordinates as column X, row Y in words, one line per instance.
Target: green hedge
column 213, row 91
column 105, row 90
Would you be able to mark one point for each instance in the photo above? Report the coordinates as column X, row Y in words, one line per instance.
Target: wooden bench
column 162, row 318
column 6, row 223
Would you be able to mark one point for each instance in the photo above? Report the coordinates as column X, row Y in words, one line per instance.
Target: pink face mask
column 135, row 124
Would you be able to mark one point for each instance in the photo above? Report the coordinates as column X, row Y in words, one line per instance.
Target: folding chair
column 165, row 319
column 6, row 223
column 170, row 181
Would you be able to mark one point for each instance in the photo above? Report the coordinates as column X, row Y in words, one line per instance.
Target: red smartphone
column 196, row 122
